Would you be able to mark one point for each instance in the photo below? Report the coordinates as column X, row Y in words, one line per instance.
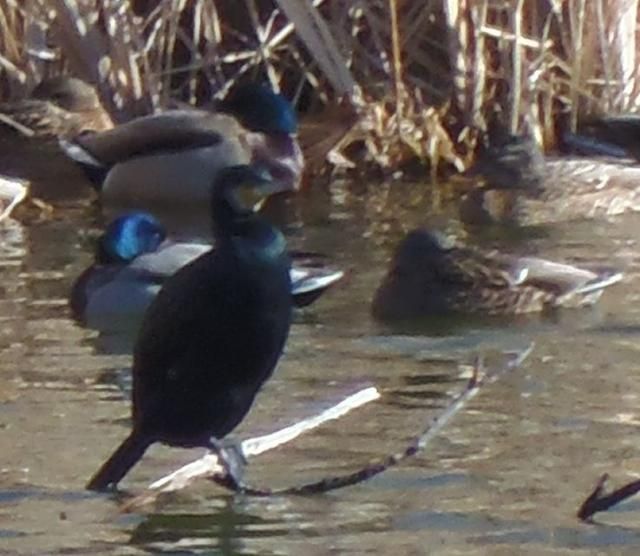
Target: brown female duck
column 58, row 107
column 522, row 187
column 429, row 277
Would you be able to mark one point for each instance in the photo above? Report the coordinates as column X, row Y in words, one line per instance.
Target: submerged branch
column 597, row 501
column 480, row 377
column 208, row 465
column 22, row 129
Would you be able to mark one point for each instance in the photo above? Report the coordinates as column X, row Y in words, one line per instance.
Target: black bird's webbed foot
column 232, row 459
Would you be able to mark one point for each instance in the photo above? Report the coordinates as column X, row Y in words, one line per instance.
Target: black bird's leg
column 232, row 460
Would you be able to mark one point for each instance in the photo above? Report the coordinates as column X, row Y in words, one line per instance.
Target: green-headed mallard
column 169, row 157
column 214, row 333
column 429, row 277
column 521, row 187
column 135, row 257
column 58, row 107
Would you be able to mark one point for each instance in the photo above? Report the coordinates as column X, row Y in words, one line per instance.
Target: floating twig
column 597, row 501
column 479, row 378
column 17, row 126
column 208, row 465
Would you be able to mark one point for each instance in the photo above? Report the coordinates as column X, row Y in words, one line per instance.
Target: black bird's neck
column 248, row 234
column 229, row 222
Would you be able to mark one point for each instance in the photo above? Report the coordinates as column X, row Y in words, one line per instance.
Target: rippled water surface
column 506, row 476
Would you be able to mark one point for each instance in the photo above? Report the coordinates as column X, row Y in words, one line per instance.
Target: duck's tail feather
column 604, row 279
column 592, row 146
column 590, row 292
column 120, row 462
column 12, row 193
column 574, row 286
column 307, row 284
column 95, row 171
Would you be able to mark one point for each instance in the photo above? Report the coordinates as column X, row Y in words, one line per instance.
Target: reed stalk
column 423, row 79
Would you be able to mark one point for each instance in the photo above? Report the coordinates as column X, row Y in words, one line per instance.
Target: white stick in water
column 208, row 464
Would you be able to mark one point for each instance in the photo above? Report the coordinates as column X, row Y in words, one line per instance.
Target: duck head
column 258, row 108
column 422, row 250
column 414, row 285
column 273, row 122
column 129, row 236
column 69, row 93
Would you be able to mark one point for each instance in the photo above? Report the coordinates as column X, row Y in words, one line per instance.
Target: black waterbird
column 214, row 333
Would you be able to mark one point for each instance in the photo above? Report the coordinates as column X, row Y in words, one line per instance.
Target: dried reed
column 417, row 80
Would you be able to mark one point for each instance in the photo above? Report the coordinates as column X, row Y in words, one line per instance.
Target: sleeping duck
column 171, row 156
column 134, row 258
column 58, row 107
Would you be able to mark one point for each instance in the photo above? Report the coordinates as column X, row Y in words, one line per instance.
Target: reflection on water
column 506, row 476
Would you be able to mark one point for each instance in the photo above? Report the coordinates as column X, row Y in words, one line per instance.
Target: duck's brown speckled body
column 551, row 189
column 58, row 107
column 428, row 277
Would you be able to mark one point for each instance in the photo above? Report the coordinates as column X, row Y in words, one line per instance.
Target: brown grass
column 418, row 80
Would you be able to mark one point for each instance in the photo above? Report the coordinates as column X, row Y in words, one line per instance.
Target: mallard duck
column 213, row 335
column 545, row 190
column 608, row 132
column 168, row 157
column 12, row 192
column 58, row 107
column 427, row 276
column 515, row 161
column 583, row 145
column 134, row 258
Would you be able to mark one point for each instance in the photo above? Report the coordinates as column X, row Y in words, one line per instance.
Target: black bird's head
column 239, row 192
column 129, row 236
column 259, row 108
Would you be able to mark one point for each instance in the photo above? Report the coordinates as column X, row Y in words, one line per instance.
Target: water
column 506, row 476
